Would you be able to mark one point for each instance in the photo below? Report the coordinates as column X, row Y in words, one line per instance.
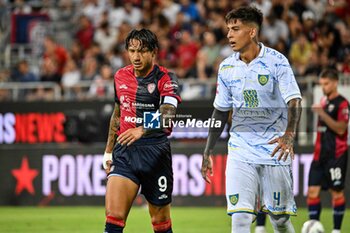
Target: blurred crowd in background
column 89, row 46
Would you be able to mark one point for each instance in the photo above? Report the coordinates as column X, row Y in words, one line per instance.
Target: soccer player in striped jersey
column 328, row 168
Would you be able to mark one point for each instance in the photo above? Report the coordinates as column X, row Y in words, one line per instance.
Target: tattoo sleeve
column 168, row 112
column 294, row 113
column 214, row 133
column 113, row 128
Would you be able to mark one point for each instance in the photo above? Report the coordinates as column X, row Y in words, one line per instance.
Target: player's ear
column 253, row 32
column 154, row 53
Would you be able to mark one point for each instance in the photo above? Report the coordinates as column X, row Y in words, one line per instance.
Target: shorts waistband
column 152, row 140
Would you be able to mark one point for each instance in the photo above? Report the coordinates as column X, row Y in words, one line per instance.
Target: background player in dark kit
column 328, row 168
column 141, row 156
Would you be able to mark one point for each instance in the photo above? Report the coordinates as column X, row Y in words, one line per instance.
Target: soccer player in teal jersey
column 257, row 83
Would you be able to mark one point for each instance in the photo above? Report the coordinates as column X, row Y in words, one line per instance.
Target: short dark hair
column 329, row 73
column 247, row 14
column 146, row 37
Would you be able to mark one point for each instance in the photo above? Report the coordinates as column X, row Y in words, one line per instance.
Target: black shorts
column 329, row 173
column 148, row 163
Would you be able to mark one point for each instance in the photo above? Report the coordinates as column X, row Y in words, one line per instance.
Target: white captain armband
column 170, row 100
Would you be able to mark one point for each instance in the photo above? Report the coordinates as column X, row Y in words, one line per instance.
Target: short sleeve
column 223, row 97
column 287, row 84
column 116, row 99
column 168, row 85
column 343, row 111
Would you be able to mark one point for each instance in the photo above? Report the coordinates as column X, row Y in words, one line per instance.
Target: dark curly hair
column 246, row 14
column 146, row 37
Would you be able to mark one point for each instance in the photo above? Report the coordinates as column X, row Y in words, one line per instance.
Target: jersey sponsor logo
column 151, row 87
column 151, row 120
column 123, row 86
column 142, row 105
column 251, row 98
column 163, row 196
column 263, row 79
column 125, row 103
column 330, row 107
column 131, row 119
column 234, row 198
column 170, row 85
column 225, row 67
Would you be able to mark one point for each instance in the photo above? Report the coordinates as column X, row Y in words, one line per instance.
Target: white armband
column 170, row 100
column 106, row 157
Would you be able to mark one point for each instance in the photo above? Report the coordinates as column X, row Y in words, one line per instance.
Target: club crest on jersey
column 330, row 107
column 263, row 79
column 151, row 87
column 233, row 198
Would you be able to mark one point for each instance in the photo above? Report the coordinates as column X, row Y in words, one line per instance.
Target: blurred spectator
column 294, row 25
column 318, row 7
column 22, row 73
column 170, row 9
column 328, row 39
column 345, row 66
column 49, row 71
column 114, row 57
column 76, row 53
column 56, row 53
column 300, row 54
column 101, row 86
column 298, row 7
column 71, row 74
column 66, row 11
column 85, row 33
column 217, row 25
column 124, row 11
column 186, row 54
column 273, row 30
column 90, row 69
column 190, row 10
column 309, row 25
column 180, row 24
column 5, row 94
column 263, row 5
column 21, row 7
column 41, row 94
column 105, row 37
column 207, row 57
column 166, row 55
column 93, row 9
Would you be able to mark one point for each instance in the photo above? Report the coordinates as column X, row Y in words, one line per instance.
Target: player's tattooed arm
column 285, row 143
column 214, row 134
column 168, row 112
column 131, row 135
column 114, row 124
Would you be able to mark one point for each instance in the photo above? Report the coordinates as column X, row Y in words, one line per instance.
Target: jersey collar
column 261, row 53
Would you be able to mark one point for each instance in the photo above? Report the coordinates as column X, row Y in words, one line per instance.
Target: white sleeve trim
column 170, row 100
column 293, row 96
column 221, row 108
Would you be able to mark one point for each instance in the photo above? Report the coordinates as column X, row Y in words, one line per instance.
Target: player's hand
column 285, row 145
column 207, row 166
column 130, row 136
column 317, row 108
column 107, row 161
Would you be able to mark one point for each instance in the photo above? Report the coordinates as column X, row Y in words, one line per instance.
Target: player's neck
column 250, row 53
column 332, row 95
column 143, row 73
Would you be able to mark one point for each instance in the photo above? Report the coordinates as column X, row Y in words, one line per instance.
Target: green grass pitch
column 91, row 220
